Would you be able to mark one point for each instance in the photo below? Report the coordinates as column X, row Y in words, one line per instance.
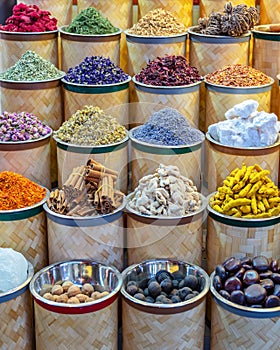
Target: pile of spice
column 16, row 191
column 70, row 293
column 89, row 190
column 233, row 21
column 90, row 126
column 165, row 287
column 90, row 22
column 158, row 22
column 168, row 127
column 21, row 126
column 31, row 67
column 246, row 127
column 165, row 193
column 169, row 70
column 238, row 75
column 96, row 70
column 252, row 282
column 13, row 269
column 247, row 192
column 29, row 18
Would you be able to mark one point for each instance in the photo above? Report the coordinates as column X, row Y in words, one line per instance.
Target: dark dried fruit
column 132, row 289
column 149, row 299
column 166, row 285
column 175, row 299
column 260, row 263
column 272, row 301
column 268, row 285
column 250, row 277
column 183, row 292
column 224, row 294
column 191, row 282
column 162, row 275
column 275, row 277
column 240, row 273
column 189, row 296
column 217, row 283
column 232, row 283
column 221, row 272
column 255, row 294
column 238, row 297
column 276, row 290
column 232, row 264
column 139, row 296
column 154, row 289
column 274, row 266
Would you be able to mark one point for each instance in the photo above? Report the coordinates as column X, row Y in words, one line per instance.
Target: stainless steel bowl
column 149, row 268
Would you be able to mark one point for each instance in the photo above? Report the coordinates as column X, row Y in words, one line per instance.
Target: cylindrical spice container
column 15, row 44
column 103, row 96
column 16, row 316
column 147, row 325
column 75, row 47
column 99, row 237
column 223, row 159
column 32, row 152
column 145, row 157
column 269, row 11
column 182, row 9
column 62, row 9
column 65, row 325
column 25, row 230
column 150, row 236
column 208, row 6
column 141, row 49
column 219, row 99
column 236, row 326
column 266, row 59
column 228, row 236
column 183, row 98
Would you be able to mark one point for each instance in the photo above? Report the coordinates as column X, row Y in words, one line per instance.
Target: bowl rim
column 126, row 32
column 59, row 78
column 62, row 30
column 29, row 33
column 44, row 137
column 96, row 85
column 234, row 38
column 239, row 87
column 166, row 87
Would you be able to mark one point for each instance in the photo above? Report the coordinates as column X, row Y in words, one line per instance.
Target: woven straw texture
column 266, row 58
column 48, row 49
column 45, row 103
column 95, row 330
column 232, row 332
column 143, row 331
column 220, row 164
column 208, row 6
column 143, row 163
column 116, row 160
column 186, row 103
column 29, row 163
column 182, row 9
column 209, row 57
column 269, row 11
column 61, row 10
column 74, row 101
column 74, row 52
column 224, row 241
column 217, row 103
column 103, row 243
column 183, row 242
column 16, row 317
column 27, row 236
column 140, row 54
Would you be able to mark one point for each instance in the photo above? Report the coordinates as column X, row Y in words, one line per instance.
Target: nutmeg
column 66, row 285
column 82, row 297
column 87, row 289
column 73, row 290
column 63, row 298
column 73, row 300
column 57, row 290
column 95, row 295
column 49, row 296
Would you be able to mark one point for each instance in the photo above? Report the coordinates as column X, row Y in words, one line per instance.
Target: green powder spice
column 91, row 21
column 31, row 67
column 91, row 127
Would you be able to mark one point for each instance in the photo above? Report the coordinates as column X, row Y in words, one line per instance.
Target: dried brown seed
column 73, row 290
column 57, row 290
column 73, row 300
column 87, row 289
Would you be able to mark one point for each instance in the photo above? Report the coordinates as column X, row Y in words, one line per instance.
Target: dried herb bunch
column 234, row 21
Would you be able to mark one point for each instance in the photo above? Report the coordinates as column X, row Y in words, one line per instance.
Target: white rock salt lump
column 242, row 110
column 13, row 269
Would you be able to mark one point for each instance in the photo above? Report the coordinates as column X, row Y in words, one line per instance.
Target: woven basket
column 221, row 160
column 208, row 6
column 151, row 236
column 266, row 59
column 183, row 98
column 61, row 10
column 182, row 9
column 16, row 317
column 114, row 156
column 141, row 49
column 92, row 325
column 75, row 47
column 146, row 157
column 26, row 157
column 269, row 11
column 25, row 231
column 163, row 326
column 104, row 96
column 228, row 236
column 96, row 237
column 239, row 327
column 44, row 99
column 16, row 44
column 220, row 98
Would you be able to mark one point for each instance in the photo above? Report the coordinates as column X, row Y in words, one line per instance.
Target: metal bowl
column 78, row 272
column 148, row 269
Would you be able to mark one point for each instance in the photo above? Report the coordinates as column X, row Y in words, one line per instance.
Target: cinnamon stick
column 101, row 168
